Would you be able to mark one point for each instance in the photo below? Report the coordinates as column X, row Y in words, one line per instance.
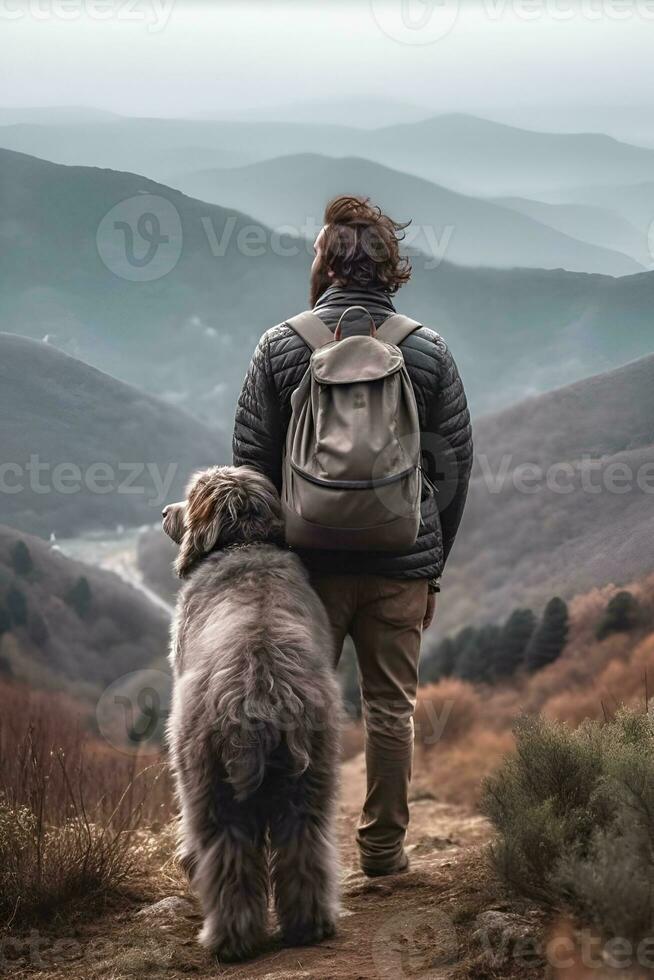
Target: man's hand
column 430, row 610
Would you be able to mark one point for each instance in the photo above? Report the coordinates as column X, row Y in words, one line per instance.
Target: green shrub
column 622, row 614
column 574, row 811
column 21, row 559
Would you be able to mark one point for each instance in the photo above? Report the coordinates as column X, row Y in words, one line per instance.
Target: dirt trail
column 413, row 925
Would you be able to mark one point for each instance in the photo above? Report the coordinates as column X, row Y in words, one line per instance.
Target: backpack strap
column 396, row 328
column 311, row 329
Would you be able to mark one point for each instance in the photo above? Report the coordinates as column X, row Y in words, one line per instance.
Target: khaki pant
column 384, row 618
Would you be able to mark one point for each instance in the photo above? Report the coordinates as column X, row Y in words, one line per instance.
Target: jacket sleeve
column 451, row 433
column 257, row 437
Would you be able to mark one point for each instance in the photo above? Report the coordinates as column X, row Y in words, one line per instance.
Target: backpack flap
column 354, row 359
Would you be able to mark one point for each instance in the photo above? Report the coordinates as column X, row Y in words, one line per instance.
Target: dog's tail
column 265, row 719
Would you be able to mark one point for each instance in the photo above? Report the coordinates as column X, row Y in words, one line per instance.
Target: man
column 383, row 601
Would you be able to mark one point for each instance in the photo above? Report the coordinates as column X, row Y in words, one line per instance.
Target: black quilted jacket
column 264, row 410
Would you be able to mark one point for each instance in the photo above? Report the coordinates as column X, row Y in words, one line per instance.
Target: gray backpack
column 351, row 475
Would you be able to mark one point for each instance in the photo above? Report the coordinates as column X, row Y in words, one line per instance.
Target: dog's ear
column 202, row 516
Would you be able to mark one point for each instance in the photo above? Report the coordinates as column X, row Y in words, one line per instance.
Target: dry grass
column 69, row 807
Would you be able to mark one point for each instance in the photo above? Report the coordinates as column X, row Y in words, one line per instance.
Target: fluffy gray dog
column 253, row 727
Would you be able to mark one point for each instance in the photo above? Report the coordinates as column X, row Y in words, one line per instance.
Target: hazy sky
column 171, row 57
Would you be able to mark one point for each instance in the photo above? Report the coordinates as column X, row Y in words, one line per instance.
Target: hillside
column 106, row 453
column 61, row 635
column 461, row 151
column 634, row 202
column 188, row 335
column 588, row 223
column 293, row 190
column 181, row 325
column 579, row 521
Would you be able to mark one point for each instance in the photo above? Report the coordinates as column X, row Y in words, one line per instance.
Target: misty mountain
column 630, row 123
column 582, row 518
column 368, row 113
column 293, row 191
column 81, row 450
column 225, row 278
column 474, row 154
column 60, row 633
column 587, row 223
column 155, row 147
column 634, row 202
column 464, row 152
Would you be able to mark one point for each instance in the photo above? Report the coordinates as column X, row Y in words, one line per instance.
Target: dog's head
column 224, row 505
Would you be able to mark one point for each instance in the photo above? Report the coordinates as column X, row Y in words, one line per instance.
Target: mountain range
column 187, row 335
column 462, row 152
column 292, row 191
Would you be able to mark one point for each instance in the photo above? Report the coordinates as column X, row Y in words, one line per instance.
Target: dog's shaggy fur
column 253, row 727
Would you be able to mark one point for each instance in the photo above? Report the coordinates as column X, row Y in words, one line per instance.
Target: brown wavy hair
column 361, row 245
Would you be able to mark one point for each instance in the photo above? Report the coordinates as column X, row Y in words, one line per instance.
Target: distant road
column 115, row 553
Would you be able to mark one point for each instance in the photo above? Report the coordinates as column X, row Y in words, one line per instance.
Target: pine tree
column 621, row 615
column 440, row 662
column 38, row 629
column 17, row 606
column 79, row 597
column 475, row 662
column 5, row 620
column 468, row 662
column 515, row 636
column 550, row 636
column 21, row 559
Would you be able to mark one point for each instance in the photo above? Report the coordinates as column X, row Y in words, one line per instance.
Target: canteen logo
column 417, row 22
column 140, row 239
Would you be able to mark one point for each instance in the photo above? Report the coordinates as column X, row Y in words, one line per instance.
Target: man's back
column 264, row 411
